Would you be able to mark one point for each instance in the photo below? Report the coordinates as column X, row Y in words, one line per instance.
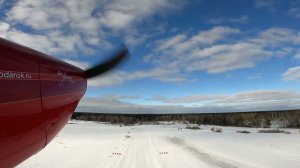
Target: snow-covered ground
column 89, row 144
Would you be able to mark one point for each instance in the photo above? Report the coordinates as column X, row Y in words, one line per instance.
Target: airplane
column 38, row 95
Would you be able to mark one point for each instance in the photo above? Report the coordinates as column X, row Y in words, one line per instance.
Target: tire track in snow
column 140, row 152
column 209, row 159
column 124, row 154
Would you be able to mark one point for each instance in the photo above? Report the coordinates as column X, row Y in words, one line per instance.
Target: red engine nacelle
column 38, row 95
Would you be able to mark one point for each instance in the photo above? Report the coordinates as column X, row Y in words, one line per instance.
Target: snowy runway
column 88, row 144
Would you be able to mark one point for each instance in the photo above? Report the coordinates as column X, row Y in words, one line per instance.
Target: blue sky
column 186, row 56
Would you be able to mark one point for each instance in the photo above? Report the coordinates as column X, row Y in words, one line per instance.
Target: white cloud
column 222, row 20
column 4, row 27
column 218, row 50
column 297, row 56
column 106, row 100
column 80, row 26
column 276, row 37
column 174, row 51
column 236, row 98
column 215, row 51
column 121, row 13
column 118, row 77
column 115, row 19
column 80, row 64
column 189, row 99
column 223, row 58
column 128, row 97
column 53, row 43
column 203, row 38
column 109, row 79
column 241, row 19
column 295, row 12
column 260, row 96
column 292, row 74
column 217, row 20
column 116, row 106
column 264, row 3
column 66, row 28
column 39, row 14
column 107, row 104
column 1, row 3
column 165, row 44
column 256, row 100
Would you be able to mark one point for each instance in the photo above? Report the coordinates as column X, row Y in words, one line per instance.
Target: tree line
column 289, row 118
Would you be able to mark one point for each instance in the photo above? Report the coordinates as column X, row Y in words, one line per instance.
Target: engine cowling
column 38, row 95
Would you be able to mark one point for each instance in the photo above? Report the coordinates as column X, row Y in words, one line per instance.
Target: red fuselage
column 38, row 95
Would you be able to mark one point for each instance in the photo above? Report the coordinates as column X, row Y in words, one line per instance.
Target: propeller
column 109, row 64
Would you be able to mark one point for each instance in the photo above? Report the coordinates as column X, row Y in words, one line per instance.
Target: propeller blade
column 101, row 68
